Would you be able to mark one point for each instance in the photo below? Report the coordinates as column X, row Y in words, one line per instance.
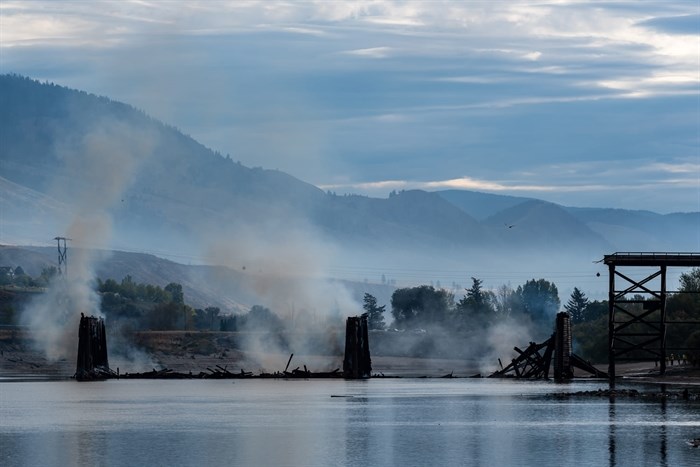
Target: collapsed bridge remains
column 536, row 360
column 93, row 363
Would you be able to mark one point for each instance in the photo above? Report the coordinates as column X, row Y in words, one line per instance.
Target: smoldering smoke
column 100, row 167
column 287, row 270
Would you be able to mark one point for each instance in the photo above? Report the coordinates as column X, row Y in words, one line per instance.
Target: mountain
column 203, row 285
column 110, row 177
column 643, row 230
column 620, row 229
column 70, row 146
column 544, row 225
column 480, row 205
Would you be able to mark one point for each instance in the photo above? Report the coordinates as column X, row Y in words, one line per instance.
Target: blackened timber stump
column 92, row 363
column 357, row 363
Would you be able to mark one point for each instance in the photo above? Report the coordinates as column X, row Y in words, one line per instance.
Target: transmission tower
column 62, row 255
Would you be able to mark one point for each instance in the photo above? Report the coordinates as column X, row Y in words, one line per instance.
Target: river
column 392, row 422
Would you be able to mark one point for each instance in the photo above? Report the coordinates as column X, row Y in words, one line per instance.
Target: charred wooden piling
column 563, row 347
column 357, row 363
column 92, row 363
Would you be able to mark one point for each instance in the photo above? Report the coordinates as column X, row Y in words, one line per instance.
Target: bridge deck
column 652, row 259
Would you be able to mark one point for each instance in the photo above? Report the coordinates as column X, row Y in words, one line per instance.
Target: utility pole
column 62, row 255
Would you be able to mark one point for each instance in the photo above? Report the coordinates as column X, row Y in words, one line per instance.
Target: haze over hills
column 109, row 176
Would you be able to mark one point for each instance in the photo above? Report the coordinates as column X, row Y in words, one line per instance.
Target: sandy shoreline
column 30, row 365
column 19, row 360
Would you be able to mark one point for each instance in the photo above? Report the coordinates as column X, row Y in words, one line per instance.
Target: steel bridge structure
column 637, row 321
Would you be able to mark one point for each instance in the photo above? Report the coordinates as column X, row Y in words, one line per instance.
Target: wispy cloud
column 395, row 90
column 372, row 52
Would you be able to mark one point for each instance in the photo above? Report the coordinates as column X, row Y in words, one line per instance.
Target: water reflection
column 611, row 435
column 391, row 422
column 638, row 436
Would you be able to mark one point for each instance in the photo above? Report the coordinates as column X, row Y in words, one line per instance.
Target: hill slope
column 109, row 176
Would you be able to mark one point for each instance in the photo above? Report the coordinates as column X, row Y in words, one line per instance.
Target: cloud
column 372, row 52
column 444, row 89
column 306, row 31
column 678, row 168
column 684, row 24
column 558, row 182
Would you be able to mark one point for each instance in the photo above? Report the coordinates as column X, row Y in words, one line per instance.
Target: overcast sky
column 580, row 103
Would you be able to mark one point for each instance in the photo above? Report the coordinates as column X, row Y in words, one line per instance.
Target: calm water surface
column 402, row 422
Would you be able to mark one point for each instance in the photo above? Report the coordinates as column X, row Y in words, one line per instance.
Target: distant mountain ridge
column 60, row 147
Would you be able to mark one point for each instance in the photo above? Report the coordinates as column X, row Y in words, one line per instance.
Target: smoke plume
column 285, row 267
column 98, row 167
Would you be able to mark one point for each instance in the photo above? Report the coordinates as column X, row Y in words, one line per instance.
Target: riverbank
column 195, row 352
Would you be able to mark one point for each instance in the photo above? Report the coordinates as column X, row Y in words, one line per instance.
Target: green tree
column 595, row 310
column 47, row 274
column 477, row 305
column 375, row 313
column 690, row 281
column 175, row 291
column 128, row 288
column 212, row 314
column 164, row 316
column 481, row 300
column 540, row 300
column 228, row 323
column 591, row 339
column 576, row 306
column 260, row 318
column 5, row 276
column 506, row 300
column 420, row 306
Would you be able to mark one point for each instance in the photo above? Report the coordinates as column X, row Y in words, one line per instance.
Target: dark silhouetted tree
column 375, row 313
column 477, row 306
column 175, row 291
column 164, row 316
column 540, row 300
column 576, row 306
column 420, row 306
column 260, row 318
column 690, row 281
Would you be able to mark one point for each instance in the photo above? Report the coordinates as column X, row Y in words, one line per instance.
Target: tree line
column 536, row 302
column 423, row 307
column 426, row 306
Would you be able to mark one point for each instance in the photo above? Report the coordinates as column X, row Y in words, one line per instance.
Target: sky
column 579, row 103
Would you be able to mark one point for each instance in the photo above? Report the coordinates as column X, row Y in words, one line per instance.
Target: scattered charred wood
column 165, row 373
column 288, row 362
column 582, row 364
column 357, row 363
column 534, row 362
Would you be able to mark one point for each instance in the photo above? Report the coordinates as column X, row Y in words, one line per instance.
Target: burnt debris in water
column 93, row 363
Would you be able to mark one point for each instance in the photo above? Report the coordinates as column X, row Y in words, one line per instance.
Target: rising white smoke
column 286, row 270
column 99, row 166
